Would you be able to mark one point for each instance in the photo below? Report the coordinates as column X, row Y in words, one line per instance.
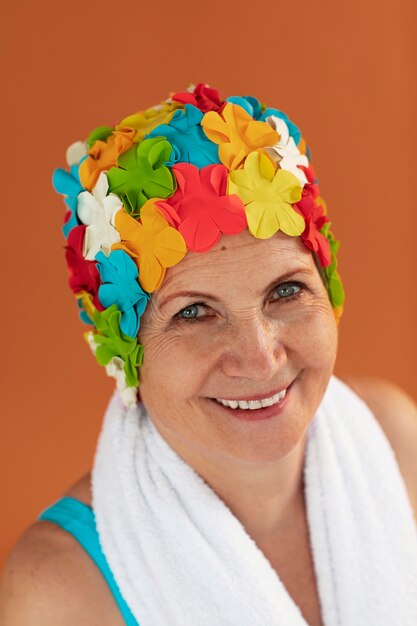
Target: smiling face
column 242, row 321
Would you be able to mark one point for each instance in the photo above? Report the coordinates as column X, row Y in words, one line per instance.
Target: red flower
column 83, row 275
column 203, row 97
column 313, row 212
column 200, row 208
column 313, row 239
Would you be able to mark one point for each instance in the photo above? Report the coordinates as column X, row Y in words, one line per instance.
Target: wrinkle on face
column 231, row 275
column 249, row 344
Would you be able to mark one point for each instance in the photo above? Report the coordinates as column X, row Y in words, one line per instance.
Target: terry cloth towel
column 181, row 558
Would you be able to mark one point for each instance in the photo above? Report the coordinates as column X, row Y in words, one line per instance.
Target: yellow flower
column 237, row 133
column 152, row 243
column 104, row 154
column 267, row 195
column 145, row 121
column 86, row 303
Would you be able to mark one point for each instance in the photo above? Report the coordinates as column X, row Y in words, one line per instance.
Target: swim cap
column 172, row 178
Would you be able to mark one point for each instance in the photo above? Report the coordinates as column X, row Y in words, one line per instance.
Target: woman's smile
column 252, row 409
column 254, row 406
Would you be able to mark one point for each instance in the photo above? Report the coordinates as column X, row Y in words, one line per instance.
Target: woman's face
column 244, row 320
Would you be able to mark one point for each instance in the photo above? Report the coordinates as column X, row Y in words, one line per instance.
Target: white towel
column 181, row 558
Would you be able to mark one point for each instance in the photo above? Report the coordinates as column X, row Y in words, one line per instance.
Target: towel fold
column 181, row 558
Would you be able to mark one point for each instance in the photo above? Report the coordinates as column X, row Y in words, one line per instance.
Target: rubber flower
column 141, row 174
column 112, row 342
column 83, row 275
column 267, row 195
column 285, row 152
column 76, row 152
column 294, row 131
column 316, row 241
column 143, row 122
column 85, row 303
column 203, row 210
column 104, row 154
column 101, row 133
column 115, row 368
column 304, row 149
column 96, row 210
column 151, row 242
column 313, row 209
column 249, row 103
column 187, row 138
column 202, row 96
column 119, row 285
column 334, row 282
column 69, row 185
column 237, row 134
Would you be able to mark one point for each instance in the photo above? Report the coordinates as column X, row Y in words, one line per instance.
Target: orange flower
column 104, row 154
column 302, row 146
column 152, row 243
column 237, row 133
column 338, row 312
column 145, row 121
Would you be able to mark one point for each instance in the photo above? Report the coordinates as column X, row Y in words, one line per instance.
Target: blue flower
column 119, row 276
column 249, row 103
column 294, row 131
column 68, row 183
column 189, row 142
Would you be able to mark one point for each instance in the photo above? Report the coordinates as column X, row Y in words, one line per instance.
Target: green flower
column 334, row 282
column 141, row 174
column 100, row 133
column 112, row 342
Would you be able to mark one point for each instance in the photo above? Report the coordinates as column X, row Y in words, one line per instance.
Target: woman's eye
column 287, row 291
column 191, row 312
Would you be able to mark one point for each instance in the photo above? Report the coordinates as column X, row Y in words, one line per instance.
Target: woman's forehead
column 238, row 256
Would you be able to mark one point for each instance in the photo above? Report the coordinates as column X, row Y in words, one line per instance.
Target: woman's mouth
column 255, row 408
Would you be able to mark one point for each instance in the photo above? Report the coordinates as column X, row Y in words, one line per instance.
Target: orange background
column 342, row 71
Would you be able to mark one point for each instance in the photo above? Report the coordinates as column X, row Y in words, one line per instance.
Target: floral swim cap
column 173, row 178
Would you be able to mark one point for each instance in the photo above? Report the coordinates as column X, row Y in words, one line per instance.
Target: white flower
column 285, row 152
column 89, row 337
column 97, row 210
column 75, row 152
column 114, row 369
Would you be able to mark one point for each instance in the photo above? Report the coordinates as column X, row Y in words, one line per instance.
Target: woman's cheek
column 322, row 344
column 170, row 357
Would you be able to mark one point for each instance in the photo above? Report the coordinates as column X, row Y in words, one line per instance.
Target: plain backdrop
column 344, row 72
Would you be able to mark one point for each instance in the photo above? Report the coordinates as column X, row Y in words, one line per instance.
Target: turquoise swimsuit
column 78, row 519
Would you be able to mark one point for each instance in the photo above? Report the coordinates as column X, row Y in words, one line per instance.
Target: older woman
column 246, row 484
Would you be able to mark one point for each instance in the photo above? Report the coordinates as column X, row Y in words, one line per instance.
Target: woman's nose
column 254, row 351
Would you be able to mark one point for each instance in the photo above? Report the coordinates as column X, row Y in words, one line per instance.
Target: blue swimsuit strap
column 78, row 519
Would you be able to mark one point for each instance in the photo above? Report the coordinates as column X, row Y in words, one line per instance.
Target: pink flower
column 200, row 208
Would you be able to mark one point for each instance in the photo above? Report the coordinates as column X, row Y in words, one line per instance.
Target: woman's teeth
column 253, row 404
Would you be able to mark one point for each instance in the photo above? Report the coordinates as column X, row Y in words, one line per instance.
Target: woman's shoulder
column 48, row 578
column 396, row 413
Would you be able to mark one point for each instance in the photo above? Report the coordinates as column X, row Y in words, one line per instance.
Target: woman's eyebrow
column 200, row 295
